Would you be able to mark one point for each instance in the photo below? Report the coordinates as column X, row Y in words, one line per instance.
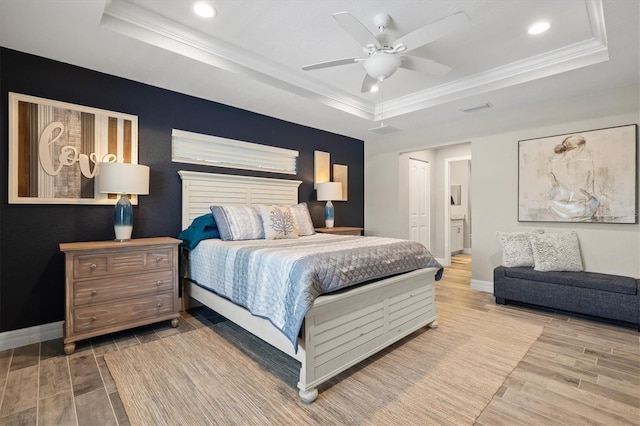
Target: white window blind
column 196, row 148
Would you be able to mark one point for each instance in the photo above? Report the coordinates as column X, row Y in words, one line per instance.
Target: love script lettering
column 68, row 154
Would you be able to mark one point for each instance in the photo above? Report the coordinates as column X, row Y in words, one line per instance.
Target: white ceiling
column 250, row 55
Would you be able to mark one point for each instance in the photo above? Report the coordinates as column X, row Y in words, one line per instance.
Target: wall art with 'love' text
column 55, row 149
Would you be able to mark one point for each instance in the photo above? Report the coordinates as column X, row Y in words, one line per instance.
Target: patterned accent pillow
column 558, row 251
column 278, row 222
column 238, row 223
column 302, row 219
column 516, row 248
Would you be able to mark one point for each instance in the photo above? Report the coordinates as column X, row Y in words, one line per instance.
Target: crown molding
column 134, row 21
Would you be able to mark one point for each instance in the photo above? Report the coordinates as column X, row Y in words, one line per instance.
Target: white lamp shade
column 123, row 178
column 329, row 191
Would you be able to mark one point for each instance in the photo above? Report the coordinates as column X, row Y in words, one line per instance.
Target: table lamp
column 328, row 191
column 123, row 179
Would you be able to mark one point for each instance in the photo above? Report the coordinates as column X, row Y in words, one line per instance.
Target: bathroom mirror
column 456, row 195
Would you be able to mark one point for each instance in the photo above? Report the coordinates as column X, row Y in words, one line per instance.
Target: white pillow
column 516, row 248
column 277, row 222
column 558, row 251
column 302, row 219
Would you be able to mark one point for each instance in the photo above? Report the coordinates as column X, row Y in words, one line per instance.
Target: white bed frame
column 340, row 329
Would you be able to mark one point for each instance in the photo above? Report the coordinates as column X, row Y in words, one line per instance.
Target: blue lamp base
column 329, row 214
column 123, row 219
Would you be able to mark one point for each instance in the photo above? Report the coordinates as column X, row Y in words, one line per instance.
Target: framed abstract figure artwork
column 589, row 176
column 55, row 149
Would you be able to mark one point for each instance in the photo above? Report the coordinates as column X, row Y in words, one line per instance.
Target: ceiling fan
column 383, row 60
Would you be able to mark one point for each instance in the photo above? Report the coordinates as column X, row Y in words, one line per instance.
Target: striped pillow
column 238, row 223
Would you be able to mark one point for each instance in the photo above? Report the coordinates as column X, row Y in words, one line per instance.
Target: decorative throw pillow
column 238, row 223
column 302, row 219
column 516, row 248
column 558, row 251
column 277, row 222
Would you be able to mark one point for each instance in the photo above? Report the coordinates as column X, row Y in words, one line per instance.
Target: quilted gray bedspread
column 280, row 279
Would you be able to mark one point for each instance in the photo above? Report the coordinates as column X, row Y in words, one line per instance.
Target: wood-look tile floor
column 579, row 372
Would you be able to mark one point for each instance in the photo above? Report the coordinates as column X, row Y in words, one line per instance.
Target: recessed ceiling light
column 204, row 9
column 539, row 27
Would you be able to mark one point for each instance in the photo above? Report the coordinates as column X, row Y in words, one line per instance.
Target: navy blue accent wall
column 32, row 268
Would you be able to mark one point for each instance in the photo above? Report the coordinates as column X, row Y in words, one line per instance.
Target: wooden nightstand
column 111, row 286
column 341, row 230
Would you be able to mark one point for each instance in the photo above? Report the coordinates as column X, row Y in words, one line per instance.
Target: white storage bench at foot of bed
column 345, row 328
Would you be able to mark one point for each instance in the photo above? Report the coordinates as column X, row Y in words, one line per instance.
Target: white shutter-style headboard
column 202, row 190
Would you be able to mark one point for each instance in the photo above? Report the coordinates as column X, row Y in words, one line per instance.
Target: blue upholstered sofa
column 607, row 296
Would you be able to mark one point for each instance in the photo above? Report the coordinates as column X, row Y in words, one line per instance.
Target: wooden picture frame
column 321, row 168
column 55, row 149
column 341, row 174
column 588, row 176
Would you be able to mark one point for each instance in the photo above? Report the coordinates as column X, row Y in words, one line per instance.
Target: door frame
column 447, row 206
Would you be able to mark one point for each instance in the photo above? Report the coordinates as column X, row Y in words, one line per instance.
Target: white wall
column 606, row 247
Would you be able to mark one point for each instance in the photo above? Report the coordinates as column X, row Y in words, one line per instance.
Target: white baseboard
column 26, row 336
column 466, row 250
column 486, row 286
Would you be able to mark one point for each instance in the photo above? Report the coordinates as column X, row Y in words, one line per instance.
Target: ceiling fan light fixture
column 382, row 65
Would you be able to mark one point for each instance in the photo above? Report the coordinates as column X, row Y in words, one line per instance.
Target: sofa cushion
column 590, row 280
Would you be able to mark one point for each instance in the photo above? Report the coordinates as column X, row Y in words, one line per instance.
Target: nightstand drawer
column 93, row 318
column 96, row 265
column 109, row 289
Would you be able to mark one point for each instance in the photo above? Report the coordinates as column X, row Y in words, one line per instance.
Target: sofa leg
column 501, row 301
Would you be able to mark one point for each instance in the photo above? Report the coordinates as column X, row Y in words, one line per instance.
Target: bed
column 341, row 328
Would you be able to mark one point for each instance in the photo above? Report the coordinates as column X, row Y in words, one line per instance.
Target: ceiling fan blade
column 425, row 66
column 328, row 64
column 432, row 31
column 368, row 83
column 355, row 28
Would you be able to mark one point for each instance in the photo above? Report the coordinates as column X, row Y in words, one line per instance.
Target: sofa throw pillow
column 557, row 251
column 302, row 219
column 516, row 248
column 277, row 222
column 238, row 223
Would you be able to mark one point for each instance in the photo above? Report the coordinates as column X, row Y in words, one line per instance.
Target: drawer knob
column 93, row 266
column 159, row 283
column 94, row 292
column 160, row 305
column 158, row 259
column 94, row 318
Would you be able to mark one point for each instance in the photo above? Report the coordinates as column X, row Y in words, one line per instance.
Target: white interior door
column 419, row 206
